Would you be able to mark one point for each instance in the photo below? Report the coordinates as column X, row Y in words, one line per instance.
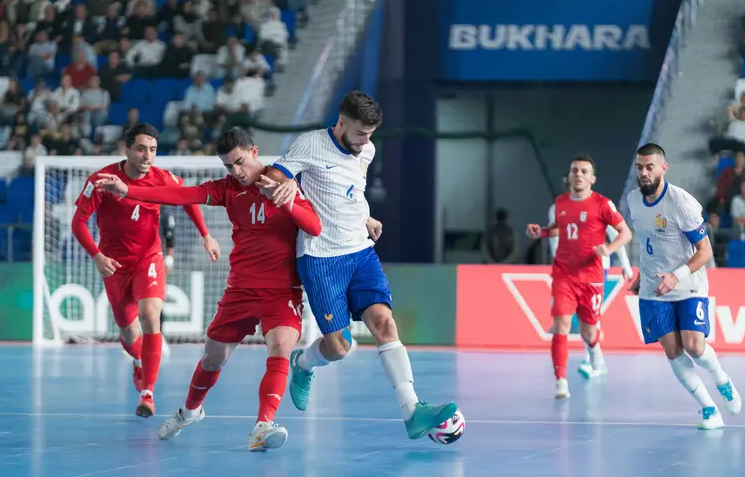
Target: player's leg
column 149, row 290
column 124, row 308
column 588, row 312
column 585, row 368
column 166, row 349
column 659, row 324
column 325, row 281
column 693, row 321
column 281, row 326
column 564, row 304
column 369, row 297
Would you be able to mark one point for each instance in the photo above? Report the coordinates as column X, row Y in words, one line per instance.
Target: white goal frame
column 41, row 289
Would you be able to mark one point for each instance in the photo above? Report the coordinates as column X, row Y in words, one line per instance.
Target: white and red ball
column 450, row 430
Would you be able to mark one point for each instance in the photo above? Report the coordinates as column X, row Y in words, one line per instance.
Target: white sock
column 709, row 361
column 312, row 357
column 686, row 374
column 190, row 414
column 397, row 367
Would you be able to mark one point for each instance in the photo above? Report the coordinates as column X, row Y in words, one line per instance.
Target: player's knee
column 379, row 320
column 334, row 346
column 694, row 346
column 281, row 341
column 131, row 332
column 562, row 325
column 150, row 315
column 213, row 363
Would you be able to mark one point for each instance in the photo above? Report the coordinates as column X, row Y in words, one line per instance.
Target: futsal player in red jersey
column 582, row 217
column 129, row 255
column 263, row 285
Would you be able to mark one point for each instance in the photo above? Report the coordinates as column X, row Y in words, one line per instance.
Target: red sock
column 201, row 382
column 133, row 349
column 559, row 355
column 152, row 345
column 272, row 387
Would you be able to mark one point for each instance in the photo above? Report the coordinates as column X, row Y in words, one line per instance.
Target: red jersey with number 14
column 582, row 225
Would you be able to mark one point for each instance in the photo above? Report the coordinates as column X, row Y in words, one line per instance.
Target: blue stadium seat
column 7, row 216
column 118, row 114
column 736, row 254
column 725, row 221
column 61, row 62
column 22, row 239
column 21, row 190
column 724, row 163
column 3, row 190
column 54, row 189
column 102, row 60
column 135, row 92
column 249, row 35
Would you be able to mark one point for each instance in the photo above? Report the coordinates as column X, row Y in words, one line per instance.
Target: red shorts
column 242, row 309
column 126, row 287
column 568, row 297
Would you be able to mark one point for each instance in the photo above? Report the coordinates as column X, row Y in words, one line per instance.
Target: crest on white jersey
column 582, row 216
column 363, row 167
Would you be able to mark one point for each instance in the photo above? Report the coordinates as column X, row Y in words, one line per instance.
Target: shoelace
column 726, row 391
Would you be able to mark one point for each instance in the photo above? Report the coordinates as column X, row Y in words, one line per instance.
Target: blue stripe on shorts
column 659, row 318
column 343, row 285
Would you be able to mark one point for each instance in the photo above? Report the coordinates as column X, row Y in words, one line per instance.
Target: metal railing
column 671, row 68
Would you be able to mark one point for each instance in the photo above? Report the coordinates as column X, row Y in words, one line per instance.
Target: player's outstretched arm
column 303, row 215
column 623, row 257
column 88, row 203
column 623, row 237
column 536, row 231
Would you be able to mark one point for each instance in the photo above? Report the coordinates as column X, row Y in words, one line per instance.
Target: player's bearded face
column 649, row 172
column 142, row 153
column 355, row 136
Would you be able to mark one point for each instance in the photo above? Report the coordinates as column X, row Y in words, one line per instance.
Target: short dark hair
column 137, row 129
column 358, row 106
column 233, row 138
column 650, row 149
column 584, row 158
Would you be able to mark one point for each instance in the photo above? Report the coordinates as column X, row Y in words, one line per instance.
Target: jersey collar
column 336, row 143
column 657, row 201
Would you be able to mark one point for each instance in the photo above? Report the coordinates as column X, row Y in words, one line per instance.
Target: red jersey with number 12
column 582, row 225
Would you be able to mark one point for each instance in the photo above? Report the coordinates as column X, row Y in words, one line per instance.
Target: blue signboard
column 554, row 40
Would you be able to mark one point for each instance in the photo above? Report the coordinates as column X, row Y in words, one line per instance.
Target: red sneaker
column 137, row 377
column 146, row 406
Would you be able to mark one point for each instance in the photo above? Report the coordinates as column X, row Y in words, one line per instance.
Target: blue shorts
column 343, row 285
column 659, row 318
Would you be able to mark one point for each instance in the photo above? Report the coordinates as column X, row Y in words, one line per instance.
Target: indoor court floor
column 69, row 412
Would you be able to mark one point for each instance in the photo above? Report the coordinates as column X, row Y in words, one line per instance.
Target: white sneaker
column 732, row 401
column 562, row 388
column 266, row 435
column 174, row 424
column 712, row 418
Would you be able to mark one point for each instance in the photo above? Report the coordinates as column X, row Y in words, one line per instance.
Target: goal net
column 70, row 304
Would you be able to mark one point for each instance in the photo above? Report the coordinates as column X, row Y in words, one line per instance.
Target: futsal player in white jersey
column 672, row 284
column 339, row 269
column 587, row 368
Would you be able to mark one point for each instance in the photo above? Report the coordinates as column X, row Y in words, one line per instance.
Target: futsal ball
column 450, row 430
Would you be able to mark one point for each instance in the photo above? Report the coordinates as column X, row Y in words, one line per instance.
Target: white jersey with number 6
column 667, row 230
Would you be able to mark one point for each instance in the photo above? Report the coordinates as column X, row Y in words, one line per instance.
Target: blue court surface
column 69, row 412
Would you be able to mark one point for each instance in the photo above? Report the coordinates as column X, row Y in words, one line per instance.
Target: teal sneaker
column 428, row 416
column 300, row 382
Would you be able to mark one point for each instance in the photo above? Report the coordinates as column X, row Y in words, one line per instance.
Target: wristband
column 544, row 233
column 168, row 261
column 682, row 272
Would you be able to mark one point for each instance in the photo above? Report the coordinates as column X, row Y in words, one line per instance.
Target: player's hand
column 668, row 283
column 533, row 231
column 628, row 274
column 168, row 263
column 374, row 228
column 634, row 288
column 106, row 266
column 212, row 247
column 111, row 183
column 601, row 250
column 280, row 194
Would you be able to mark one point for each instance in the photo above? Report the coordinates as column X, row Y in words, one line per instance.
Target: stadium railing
column 684, row 23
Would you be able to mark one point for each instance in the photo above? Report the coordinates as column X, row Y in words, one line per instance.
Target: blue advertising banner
column 554, row 40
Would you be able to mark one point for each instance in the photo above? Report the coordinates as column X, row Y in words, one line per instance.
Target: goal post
column 70, row 304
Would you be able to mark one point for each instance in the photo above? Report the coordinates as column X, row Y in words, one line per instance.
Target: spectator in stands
column 36, row 148
column 499, row 243
column 26, row 169
column 113, row 75
column 67, row 97
column 63, row 143
column 167, row 14
column 79, row 44
column 177, row 58
column 202, row 8
column 728, row 185
column 182, row 149
column 13, row 101
column 733, row 138
column 17, row 46
column 188, row 24
column 141, row 18
column 94, row 105
column 230, row 58
column 145, row 55
column 21, row 133
column 133, row 117
column 80, row 70
column 41, row 55
column 273, row 37
column 98, row 8
column 213, row 33
column 37, row 100
column 737, row 209
column 53, row 118
column 257, row 65
column 50, row 23
column 736, row 109
column 200, row 96
column 108, row 38
column 80, row 25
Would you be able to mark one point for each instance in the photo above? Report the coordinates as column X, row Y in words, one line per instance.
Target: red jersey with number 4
column 129, row 230
column 264, row 236
column 582, row 225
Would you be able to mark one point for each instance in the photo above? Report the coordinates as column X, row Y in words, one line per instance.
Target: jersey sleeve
column 691, row 220
column 215, row 191
column 303, row 215
column 90, row 198
column 297, row 158
column 609, row 213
